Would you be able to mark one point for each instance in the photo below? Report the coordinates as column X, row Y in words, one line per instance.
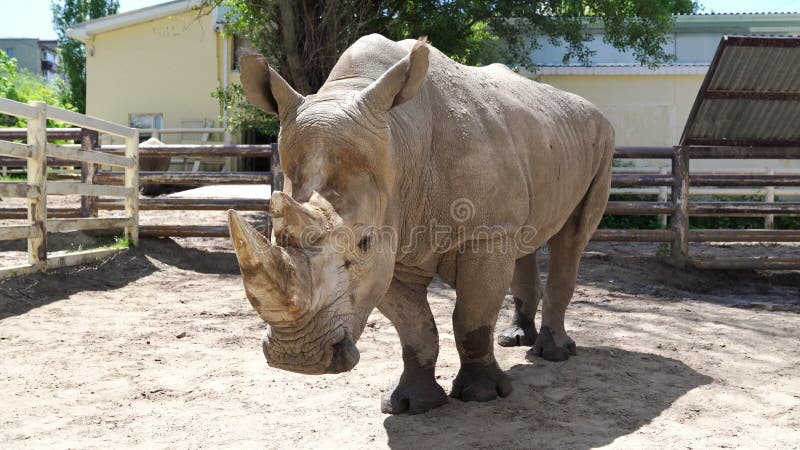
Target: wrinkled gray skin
column 402, row 138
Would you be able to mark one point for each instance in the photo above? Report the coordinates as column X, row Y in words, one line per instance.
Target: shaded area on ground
column 170, row 356
column 578, row 404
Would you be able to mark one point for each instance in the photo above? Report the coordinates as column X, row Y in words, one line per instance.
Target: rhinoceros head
column 334, row 250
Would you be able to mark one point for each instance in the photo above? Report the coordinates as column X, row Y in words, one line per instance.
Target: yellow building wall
column 650, row 110
column 168, row 66
column 645, row 109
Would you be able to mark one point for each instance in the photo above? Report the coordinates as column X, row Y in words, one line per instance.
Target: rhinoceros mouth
column 345, row 356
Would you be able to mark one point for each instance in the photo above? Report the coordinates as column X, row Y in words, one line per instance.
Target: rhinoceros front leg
column 482, row 277
column 406, row 305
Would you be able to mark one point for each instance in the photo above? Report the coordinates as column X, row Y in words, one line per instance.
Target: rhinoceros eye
column 365, row 243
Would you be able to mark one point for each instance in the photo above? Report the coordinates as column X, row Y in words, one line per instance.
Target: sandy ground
column 158, row 348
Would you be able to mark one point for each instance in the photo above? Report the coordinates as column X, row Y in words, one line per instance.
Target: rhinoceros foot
column 547, row 347
column 480, row 383
column 517, row 336
column 414, row 393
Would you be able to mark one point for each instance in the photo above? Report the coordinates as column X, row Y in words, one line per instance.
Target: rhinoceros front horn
column 276, row 279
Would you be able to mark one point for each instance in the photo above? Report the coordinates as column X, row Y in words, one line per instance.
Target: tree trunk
column 294, row 63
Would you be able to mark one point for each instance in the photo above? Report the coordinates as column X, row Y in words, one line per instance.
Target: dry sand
column 158, row 348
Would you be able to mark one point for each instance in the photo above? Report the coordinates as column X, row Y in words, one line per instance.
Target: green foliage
column 303, row 39
column 67, row 13
column 8, row 86
column 13, row 177
column 663, row 249
column 481, row 32
column 23, row 86
column 474, row 32
column 108, row 242
column 241, row 115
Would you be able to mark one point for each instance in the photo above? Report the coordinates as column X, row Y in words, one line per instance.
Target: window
column 146, row 121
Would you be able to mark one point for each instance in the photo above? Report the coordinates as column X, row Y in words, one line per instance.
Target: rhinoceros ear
column 265, row 89
column 401, row 82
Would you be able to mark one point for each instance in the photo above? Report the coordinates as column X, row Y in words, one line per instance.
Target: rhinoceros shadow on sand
column 585, row 402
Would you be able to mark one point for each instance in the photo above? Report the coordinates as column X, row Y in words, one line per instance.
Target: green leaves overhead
column 72, row 66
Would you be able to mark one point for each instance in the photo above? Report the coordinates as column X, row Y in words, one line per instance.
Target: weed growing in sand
column 109, row 242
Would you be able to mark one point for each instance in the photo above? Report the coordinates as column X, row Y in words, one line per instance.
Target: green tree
column 24, row 86
column 67, row 13
column 8, row 87
column 304, row 38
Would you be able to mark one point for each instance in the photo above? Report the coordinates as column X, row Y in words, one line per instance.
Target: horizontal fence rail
column 674, row 187
column 33, row 155
column 188, row 178
column 683, row 184
column 67, row 134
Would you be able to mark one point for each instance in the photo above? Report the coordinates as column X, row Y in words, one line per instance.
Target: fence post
column 662, row 197
column 679, row 251
column 132, row 182
column 277, row 181
column 769, row 197
column 89, row 141
column 37, row 179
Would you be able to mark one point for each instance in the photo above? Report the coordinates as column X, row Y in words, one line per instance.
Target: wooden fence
column 674, row 202
column 35, row 153
column 679, row 207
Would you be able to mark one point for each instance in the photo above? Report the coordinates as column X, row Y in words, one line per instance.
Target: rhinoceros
column 405, row 166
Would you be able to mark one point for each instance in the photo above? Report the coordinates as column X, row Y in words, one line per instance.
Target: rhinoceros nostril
column 345, row 356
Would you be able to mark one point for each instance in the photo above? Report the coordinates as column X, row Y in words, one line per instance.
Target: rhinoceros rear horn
column 401, row 82
column 276, row 280
column 300, row 224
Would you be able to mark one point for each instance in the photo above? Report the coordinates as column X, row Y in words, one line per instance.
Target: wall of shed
column 167, row 66
column 649, row 110
column 645, row 109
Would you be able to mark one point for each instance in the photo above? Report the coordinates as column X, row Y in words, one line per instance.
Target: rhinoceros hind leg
column 547, row 348
column 566, row 247
column 526, row 289
column 415, row 392
column 480, row 383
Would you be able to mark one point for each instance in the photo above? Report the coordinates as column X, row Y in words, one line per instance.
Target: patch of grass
column 12, row 178
column 109, row 242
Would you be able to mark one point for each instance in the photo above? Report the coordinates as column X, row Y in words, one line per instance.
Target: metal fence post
column 37, row 180
column 679, row 251
column 89, row 141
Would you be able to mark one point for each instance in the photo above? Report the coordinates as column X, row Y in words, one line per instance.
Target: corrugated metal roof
column 750, row 96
